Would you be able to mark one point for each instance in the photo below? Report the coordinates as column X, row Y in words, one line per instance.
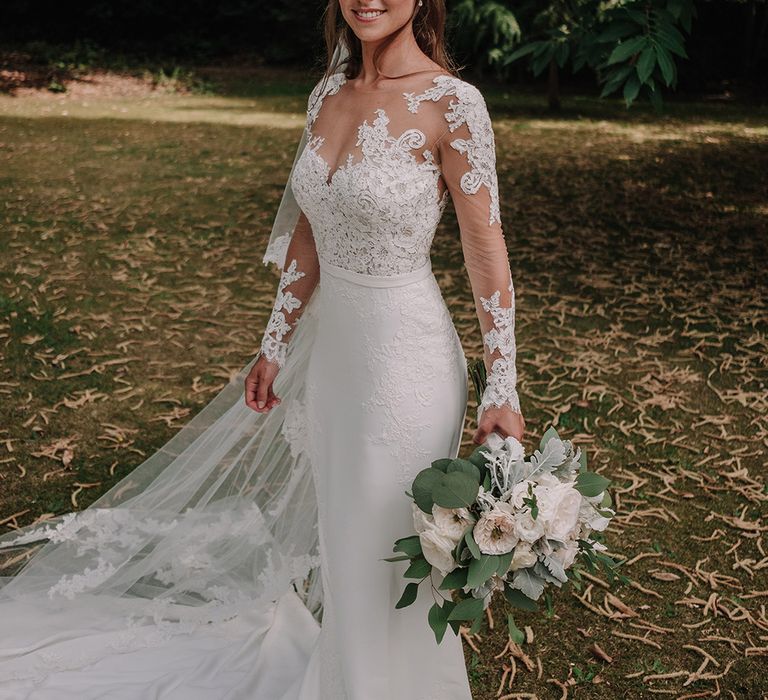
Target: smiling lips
column 368, row 15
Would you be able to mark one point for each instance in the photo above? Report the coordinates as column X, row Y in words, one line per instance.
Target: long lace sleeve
column 468, row 161
column 297, row 283
column 300, row 275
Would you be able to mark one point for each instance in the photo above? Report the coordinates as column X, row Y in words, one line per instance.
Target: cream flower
column 421, row 520
column 559, row 509
column 528, row 529
column 438, row 550
column 452, row 522
column 519, row 492
column 523, row 558
column 495, row 531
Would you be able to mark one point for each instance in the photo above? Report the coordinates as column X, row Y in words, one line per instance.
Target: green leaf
column 549, row 433
column 419, row 568
column 478, row 456
column 520, row 52
column 470, row 540
column 528, row 582
column 455, row 579
column 626, row 49
column 477, row 624
column 515, row 633
column 423, row 485
column 408, row 545
column 480, row 570
column 631, row 88
column 409, row 595
column 455, row 490
column 607, row 501
column 582, row 460
column 467, row 609
column 591, row 484
column 616, row 78
column 441, row 464
column 438, row 621
column 504, row 561
column 518, row 599
column 466, row 467
column 404, row 557
column 617, row 30
column 646, row 63
column 666, row 64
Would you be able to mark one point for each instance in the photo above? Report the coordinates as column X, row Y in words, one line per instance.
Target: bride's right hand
column 258, row 386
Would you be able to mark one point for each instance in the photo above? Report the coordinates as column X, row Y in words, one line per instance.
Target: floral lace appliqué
column 469, row 108
column 273, row 347
column 501, row 384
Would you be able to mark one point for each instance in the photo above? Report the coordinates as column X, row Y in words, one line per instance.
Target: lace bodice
column 373, row 181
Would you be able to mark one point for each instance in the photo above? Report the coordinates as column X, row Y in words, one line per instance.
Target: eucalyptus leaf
column 518, row 599
column 471, row 544
column 465, row 466
column 441, row 464
column 455, row 579
column 408, row 545
column 455, row 490
column 467, row 609
column 591, row 484
column 409, row 595
column 423, row 485
column 515, row 634
column 419, row 568
column 504, row 561
column 438, row 621
column 480, row 570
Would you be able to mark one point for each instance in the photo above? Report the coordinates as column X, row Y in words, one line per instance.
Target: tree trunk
column 553, row 86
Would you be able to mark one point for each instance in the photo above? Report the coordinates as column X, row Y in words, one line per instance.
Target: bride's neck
column 402, row 57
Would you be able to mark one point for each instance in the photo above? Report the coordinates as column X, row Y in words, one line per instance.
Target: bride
column 244, row 559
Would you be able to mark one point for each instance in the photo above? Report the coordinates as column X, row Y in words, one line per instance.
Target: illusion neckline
column 386, row 91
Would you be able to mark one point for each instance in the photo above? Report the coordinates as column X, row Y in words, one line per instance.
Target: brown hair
column 428, row 28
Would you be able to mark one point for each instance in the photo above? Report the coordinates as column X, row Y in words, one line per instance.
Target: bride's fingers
column 261, row 394
column 251, row 386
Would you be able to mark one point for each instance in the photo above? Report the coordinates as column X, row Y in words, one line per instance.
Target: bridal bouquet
column 501, row 521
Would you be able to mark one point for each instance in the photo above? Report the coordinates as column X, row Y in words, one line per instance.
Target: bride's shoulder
column 455, row 98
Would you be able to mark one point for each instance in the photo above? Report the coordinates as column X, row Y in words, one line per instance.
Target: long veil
column 219, row 521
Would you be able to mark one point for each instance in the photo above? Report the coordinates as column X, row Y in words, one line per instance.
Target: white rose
column 452, row 522
column 560, row 511
column 548, row 480
column 519, row 492
column 495, row 531
column 566, row 555
column 523, row 557
column 438, row 550
column 421, row 520
column 528, row 529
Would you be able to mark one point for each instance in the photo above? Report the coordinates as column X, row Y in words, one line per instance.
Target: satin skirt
column 386, row 395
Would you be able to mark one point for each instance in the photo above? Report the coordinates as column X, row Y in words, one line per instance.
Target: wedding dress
column 244, row 559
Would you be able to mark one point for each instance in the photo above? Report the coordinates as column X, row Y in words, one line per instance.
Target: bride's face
column 372, row 20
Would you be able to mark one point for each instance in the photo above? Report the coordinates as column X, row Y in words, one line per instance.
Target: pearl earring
column 420, row 3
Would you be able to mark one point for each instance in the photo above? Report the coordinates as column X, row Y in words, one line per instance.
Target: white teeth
column 370, row 14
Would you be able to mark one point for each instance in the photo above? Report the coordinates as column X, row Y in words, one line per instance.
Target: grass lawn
column 132, row 288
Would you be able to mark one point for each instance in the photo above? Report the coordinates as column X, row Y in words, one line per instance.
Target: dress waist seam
column 366, row 280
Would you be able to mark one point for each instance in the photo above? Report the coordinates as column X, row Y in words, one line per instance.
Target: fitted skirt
column 386, row 394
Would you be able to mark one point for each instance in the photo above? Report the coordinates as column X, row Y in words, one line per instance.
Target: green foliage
column 631, row 45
